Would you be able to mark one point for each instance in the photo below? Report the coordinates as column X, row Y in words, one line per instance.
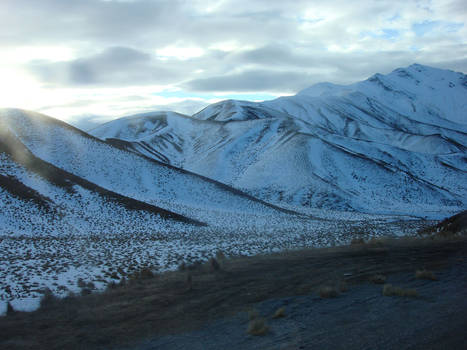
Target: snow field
column 30, row 264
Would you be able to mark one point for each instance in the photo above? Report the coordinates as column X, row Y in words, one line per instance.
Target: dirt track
column 164, row 313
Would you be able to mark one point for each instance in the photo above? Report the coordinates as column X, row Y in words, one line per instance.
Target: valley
column 385, row 157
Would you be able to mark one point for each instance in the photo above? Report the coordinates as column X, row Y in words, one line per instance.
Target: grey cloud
column 256, row 80
column 288, row 71
column 71, row 21
column 114, row 66
column 277, row 55
column 86, row 23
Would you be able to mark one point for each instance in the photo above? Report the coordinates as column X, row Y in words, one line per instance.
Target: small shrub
column 70, row 296
column 146, row 273
column 133, row 277
column 257, row 326
column 48, row 299
column 81, row 283
column 390, row 290
column 328, row 292
column 280, row 312
column 182, row 266
column 112, row 285
column 378, row 279
column 356, row 241
column 214, row 264
column 425, row 231
column 220, row 256
column 425, row 275
column 378, row 241
column 9, row 309
column 122, row 282
column 85, row 291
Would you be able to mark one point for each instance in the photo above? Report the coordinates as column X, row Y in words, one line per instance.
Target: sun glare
column 17, row 89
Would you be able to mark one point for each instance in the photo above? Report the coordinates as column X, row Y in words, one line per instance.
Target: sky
column 87, row 61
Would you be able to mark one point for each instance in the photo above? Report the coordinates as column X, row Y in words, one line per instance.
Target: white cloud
column 179, row 52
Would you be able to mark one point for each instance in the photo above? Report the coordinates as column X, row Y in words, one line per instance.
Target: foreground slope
column 37, row 198
column 394, row 143
column 164, row 313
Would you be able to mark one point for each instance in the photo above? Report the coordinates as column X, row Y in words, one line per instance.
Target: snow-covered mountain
column 393, row 143
column 55, row 179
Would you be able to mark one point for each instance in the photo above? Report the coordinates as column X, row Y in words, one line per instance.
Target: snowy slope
column 37, row 198
column 394, row 143
column 125, row 173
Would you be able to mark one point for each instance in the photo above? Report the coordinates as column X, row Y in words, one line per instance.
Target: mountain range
column 393, row 144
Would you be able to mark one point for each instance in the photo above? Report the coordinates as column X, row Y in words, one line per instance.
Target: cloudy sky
column 80, row 58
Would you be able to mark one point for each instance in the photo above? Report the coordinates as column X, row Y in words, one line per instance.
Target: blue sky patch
column 422, row 28
column 386, row 33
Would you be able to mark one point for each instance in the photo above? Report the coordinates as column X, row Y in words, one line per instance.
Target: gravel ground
column 360, row 318
column 207, row 306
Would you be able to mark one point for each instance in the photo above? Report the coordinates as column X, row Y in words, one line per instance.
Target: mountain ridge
column 407, row 127
column 47, row 163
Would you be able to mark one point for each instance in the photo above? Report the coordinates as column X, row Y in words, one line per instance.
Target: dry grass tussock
column 381, row 241
column 425, row 275
column 280, row 312
column 390, row 290
column 257, row 326
column 158, row 305
column 214, row 264
column 356, row 241
column 378, row 279
column 48, row 299
column 328, row 292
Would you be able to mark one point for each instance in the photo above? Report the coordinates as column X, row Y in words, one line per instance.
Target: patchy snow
column 30, row 264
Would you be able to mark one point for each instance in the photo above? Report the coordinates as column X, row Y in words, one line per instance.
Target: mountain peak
column 322, row 89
